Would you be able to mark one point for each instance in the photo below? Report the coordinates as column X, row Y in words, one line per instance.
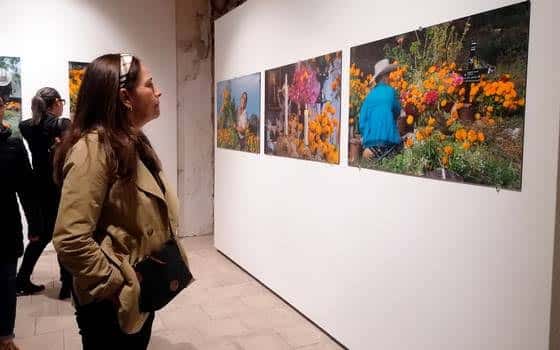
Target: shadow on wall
column 221, row 7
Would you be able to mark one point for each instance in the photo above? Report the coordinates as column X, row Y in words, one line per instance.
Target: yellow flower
column 445, row 160
column 477, row 116
column 490, row 109
column 521, row 102
column 431, row 121
column 410, row 119
column 444, row 103
column 419, row 136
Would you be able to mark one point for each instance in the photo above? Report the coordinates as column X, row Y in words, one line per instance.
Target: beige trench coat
column 104, row 228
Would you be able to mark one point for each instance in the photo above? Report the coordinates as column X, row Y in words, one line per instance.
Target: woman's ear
column 124, row 95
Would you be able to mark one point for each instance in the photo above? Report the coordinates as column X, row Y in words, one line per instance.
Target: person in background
column 43, row 133
column 15, row 181
column 379, row 113
column 242, row 122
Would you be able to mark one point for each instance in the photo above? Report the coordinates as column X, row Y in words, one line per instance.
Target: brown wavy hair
column 100, row 108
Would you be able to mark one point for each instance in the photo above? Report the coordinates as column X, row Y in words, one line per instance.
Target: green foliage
column 227, row 116
column 481, row 166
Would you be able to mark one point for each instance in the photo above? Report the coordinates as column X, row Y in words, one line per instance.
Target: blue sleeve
column 396, row 104
column 362, row 120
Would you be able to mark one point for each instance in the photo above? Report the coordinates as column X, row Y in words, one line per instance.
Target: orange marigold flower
column 466, row 145
column 472, row 136
column 461, row 134
column 448, row 150
column 481, row 137
column 409, row 142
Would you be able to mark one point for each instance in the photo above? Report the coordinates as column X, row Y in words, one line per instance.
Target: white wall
column 385, row 261
column 47, row 34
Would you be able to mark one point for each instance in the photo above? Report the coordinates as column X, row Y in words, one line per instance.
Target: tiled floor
column 224, row 310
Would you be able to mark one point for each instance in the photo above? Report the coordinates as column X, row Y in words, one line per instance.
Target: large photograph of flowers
column 239, row 110
column 10, row 91
column 302, row 114
column 76, row 72
column 444, row 102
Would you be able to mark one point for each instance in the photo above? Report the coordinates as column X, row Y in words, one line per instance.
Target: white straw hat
column 5, row 77
column 383, row 67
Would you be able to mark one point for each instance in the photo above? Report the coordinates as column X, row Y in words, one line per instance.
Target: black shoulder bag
column 162, row 277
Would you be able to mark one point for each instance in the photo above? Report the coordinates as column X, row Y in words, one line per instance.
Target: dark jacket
column 15, row 180
column 41, row 139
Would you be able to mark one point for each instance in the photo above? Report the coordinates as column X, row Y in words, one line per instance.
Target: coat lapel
column 146, row 182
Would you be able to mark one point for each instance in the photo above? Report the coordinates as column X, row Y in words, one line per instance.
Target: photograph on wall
column 76, row 72
column 444, row 102
column 10, row 92
column 239, row 109
column 302, row 109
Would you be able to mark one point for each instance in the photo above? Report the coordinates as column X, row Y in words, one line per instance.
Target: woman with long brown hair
column 116, row 207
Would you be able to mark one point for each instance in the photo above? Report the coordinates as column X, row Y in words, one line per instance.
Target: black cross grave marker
column 473, row 75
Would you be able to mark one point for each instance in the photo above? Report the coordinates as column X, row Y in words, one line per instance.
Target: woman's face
column 144, row 99
column 57, row 107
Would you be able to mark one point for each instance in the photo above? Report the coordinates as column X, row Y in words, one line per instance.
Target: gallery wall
column 382, row 260
column 48, row 34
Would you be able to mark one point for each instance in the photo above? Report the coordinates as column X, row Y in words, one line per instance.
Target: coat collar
column 147, row 183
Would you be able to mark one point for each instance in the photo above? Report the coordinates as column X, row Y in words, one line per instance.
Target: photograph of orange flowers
column 76, row 72
column 444, row 102
column 10, row 92
column 302, row 111
column 239, row 110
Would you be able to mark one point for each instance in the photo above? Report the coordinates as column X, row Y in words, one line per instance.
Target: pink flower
column 431, row 97
column 457, row 79
column 305, row 86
